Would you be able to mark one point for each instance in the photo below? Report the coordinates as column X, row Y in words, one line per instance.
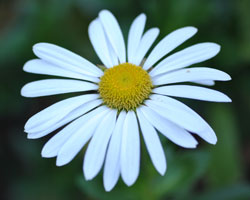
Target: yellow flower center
column 125, row 86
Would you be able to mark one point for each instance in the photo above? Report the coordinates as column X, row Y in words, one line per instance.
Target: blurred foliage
column 209, row 172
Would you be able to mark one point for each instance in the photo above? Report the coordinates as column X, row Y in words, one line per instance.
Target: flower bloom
column 132, row 96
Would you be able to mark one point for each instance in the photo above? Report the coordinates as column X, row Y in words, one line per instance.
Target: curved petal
column 173, row 132
column 68, row 118
column 191, row 74
column 100, row 43
column 54, row 113
column 52, row 147
column 48, row 87
column 112, row 163
column 192, row 92
column 114, row 33
column 65, row 59
column 38, row 66
column 207, row 133
column 204, row 82
column 134, row 35
column 186, row 57
column 153, row 143
column 95, row 154
column 176, row 115
column 146, row 42
column 130, row 150
column 76, row 142
column 168, row 43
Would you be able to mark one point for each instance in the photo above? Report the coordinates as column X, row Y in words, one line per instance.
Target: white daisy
column 130, row 97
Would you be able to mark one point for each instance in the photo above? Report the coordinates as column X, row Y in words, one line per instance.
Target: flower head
column 131, row 94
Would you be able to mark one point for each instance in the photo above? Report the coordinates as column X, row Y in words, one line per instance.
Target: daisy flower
column 131, row 96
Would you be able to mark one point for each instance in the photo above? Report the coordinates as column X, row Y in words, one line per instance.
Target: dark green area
column 209, row 172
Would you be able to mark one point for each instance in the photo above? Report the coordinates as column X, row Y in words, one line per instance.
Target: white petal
column 68, row 118
column 130, row 150
column 76, row 142
column 55, row 86
column 38, row 66
column 173, row 132
column 134, row 35
column 168, row 43
column 66, row 59
column 112, row 53
column 207, row 134
column 52, row 147
column 95, row 154
column 54, row 113
column 153, row 143
column 186, row 57
column 176, row 115
column 191, row 74
column 112, row 163
column 192, row 92
column 101, row 46
column 146, row 42
column 114, row 33
column 205, row 82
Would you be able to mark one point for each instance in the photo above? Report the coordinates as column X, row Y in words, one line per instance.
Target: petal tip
column 212, row 140
column 227, row 99
column 229, row 77
column 87, row 173
column 105, row 12
column 87, row 176
column 60, row 162
column 31, row 136
column 26, row 66
column 162, row 171
column 217, row 48
column 129, row 181
column 143, row 15
column 45, row 153
column 194, row 146
column 37, row 46
column 192, row 29
column 24, row 91
column 195, row 30
column 108, row 187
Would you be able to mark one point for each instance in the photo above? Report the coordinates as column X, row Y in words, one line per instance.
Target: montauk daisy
column 131, row 96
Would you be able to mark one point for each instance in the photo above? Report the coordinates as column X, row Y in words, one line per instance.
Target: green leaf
column 185, row 168
column 234, row 192
column 225, row 166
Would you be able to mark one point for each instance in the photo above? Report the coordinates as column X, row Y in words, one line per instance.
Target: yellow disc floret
column 125, row 86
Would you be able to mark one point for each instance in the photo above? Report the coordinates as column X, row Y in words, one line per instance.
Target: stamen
column 125, row 86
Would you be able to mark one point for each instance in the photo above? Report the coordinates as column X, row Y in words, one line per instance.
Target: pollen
column 125, row 86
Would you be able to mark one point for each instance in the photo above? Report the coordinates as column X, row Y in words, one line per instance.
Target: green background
column 208, row 172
